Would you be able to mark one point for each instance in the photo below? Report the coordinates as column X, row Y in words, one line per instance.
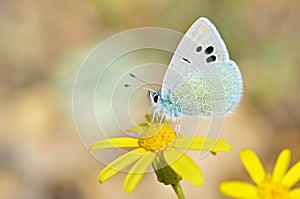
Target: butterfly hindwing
column 213, row 90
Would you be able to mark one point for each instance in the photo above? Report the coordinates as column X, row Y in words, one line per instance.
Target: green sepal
column 165, row 174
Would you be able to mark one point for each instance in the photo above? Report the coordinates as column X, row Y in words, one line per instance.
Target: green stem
column 166, row 175
column 177, row 188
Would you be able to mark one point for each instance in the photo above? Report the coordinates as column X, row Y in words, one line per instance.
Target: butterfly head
column 154, row 97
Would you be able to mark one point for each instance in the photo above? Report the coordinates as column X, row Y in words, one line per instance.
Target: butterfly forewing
column 200, row 78
column 200, row 45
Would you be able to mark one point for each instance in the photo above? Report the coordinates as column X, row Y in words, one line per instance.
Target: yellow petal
column 148, row 118
column 140, row 128
column 253, row 165
column 281, row 165
column 294, row 194
column 292, row 176
column 115, row 143
column 184, row 166
column 120, row 163
column 236, row 189
column 137, row 172
column 205, row 144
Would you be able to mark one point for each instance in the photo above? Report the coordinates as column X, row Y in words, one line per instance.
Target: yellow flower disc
column 156, row 138
column 270, row 190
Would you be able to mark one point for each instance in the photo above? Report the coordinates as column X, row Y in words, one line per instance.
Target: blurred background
column 43, row 44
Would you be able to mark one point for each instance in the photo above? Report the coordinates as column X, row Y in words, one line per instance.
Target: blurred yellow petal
column 148, row 118
column 236, row 189
column 292, row 176
column 205, row 144
column 184, row 166
column 294, row 194
column 137, row 172
column 276, row 186
column 115, row 143
column 140, row 128
column 253, row 165
column 120, row 163
column 281, row 165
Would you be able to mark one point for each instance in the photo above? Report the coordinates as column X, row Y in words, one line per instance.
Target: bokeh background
column 43, row 43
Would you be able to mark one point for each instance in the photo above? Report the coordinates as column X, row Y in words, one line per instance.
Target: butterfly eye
column 198, row 49
column 209, row 50
column 155, row 98
column 211, row 59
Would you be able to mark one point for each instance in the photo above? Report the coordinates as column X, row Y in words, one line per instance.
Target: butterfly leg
column 178, row 122
column 158, row 115
column 155, row 115
column 162, row 117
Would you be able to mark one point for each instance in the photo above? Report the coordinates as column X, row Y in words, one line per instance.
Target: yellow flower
column 268, row 186
column 156, row 141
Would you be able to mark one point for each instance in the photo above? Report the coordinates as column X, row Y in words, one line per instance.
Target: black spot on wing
column 211, row 58
column 186, row 60
column 198, row 49
column 209, row 50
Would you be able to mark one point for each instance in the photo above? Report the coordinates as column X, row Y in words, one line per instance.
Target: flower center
column 156, row 138
column 270, row 190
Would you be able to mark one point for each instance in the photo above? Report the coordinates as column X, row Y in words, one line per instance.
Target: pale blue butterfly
column 201, row 81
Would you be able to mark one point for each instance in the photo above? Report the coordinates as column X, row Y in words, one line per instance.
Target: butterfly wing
column 200, row 76
column 213, row 90
column 200, row 45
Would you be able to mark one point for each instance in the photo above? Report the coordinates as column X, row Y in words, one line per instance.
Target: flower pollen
column 271, row 190
column 157, row 137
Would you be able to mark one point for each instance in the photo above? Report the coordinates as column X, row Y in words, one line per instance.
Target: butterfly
column 201, row 81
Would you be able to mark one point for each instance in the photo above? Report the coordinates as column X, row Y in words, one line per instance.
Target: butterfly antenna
column 140, row 80
column 142, row 87
column 151, row 88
